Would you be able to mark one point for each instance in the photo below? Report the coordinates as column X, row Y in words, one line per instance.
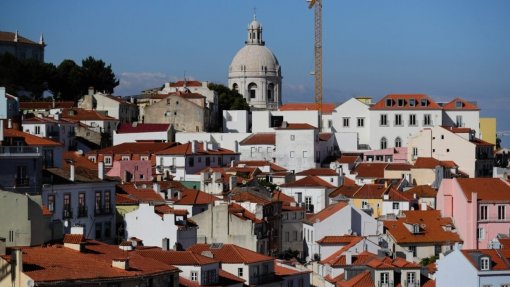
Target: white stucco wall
column 133, row 137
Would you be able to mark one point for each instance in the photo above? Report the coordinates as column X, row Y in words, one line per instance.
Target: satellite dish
column 30, row 283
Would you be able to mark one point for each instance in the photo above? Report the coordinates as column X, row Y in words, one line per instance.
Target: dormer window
column 412, row 102
column 389, row 102
column 458, row 104
column 401, row 102
column 125, row 157
column 416, row 228
column 108, row 160
column 424, row 102
column 485, row 263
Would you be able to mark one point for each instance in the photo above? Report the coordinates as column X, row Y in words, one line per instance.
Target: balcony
column 20, row 151
column 67, row 213
column 83, row 211
column 415, row 283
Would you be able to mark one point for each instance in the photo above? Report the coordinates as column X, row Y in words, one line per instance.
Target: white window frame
column 345, row 122
column 107, row 160
column 501, row 215
column 361, row 122
column 194, row 276
column 484, row 263
column 385, row 277
column 484, row 212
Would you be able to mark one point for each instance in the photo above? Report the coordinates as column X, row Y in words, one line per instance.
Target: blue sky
column 371, row 47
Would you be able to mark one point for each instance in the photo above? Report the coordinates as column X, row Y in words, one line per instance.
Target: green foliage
column 228, row 100
column 268, row 185
column 289, row 254
column 428, row 260
column 67, row 81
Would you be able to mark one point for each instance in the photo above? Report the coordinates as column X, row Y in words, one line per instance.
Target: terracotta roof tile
column 78, row 114
column 186, row 83
column 318, row 172
column 171, row 257
column 165, row 209
column 242, row 213
column 45, row 105
column 499, row 260
column 325, row 136
column 261, row 163
column 381, row 105
column 464, row 105
column 309, row 181
column 487, row 189
column 260, row 139
column 282, row 270
column 431, row 228
column 342, row 239
column 193, row 196
column 231, row 254
column 399, row 166
column 246, row 196
column 337, row 258
column 345, row 190
column 348, row 159
column 74, row 238
column 422, row 191
column 29, row 139
column 280, row 196
column 326, row 212
column 363, row 279
column 142, row 128
column 327, row 108
column 9, row 37
column 296, row 126
column 371, row 191
column 370, row 170
column 144, row 148
column 139, row 193
column 430, row 163
column 185, row 149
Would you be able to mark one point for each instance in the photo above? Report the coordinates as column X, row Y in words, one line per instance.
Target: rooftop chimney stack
column 71, row 170
column 194, row 147
column 91, row 91
column 100, row 170
column 348, row 258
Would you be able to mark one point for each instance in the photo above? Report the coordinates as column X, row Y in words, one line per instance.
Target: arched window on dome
column 252, row 89
column 270, row 92
column 384, row 143
column 398, row 142
column 235, row 87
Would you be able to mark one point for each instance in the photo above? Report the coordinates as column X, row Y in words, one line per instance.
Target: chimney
column 17, row 255
column 165, row 245
column 232, row 182
column 121, row 263
column 9, row 123
column 100, row 170
column 232, row 163
column 348, row 258
column 77, row 229
column 206, row 146
column 156, row 187
column 56, row 116
column 236, row 146
column 91, row 91
column 71, row 170
column 194, row 147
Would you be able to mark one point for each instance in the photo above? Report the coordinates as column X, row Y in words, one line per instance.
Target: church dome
column 255, row 58
column 254, row 25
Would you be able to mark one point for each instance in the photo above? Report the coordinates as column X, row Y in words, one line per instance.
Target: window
column 411, row 277
column 458, row 104
column 92, row 159
column 99, row 202
column 107, row 229
column 480, row 233
column 424, row 102
column 398, row 142
column 389, row 102
column 107, row 202
column 287, row 236
column 364, row 204
column 346, row 122
column 67, row 206
column 194, row 276
column 412, row 120
column 398, row 120
column 330, row 123
column 125, row 157
column 99, row 230
column 22, row 175
column 483, row 212
column 415, row 151
column 292, row 154
column 427, row 120
column 458, row 121
column 295, row 236
column 191, row 161
column 108, row 160
column 82, row 209
column 308, row 204
column 361, row 122
column 413, row 250
column 385, row 277
column 396, row 205
column 51, row 202
column 144, row 157
column 384, row 143
column 305, row 154
column 412, row 102
column 240, row 272
column 384, row 120
column 437, row 250
column 484, row 263
column 501, row 212
column 252, row 89
column 37, row 130
column 292, row 137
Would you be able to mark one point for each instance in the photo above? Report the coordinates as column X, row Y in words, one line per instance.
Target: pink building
column 480, row 208
column 132, row 170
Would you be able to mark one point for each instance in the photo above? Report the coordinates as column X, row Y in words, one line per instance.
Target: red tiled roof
column 125, row 199
column 297, row 126
column 29, row 139
column 45, row 105
column 231, row 254
column 370, row 170
column 186, row 83
column 49, row 120
column 465, row 105
column 325, row 136
column 171, row 257
column 363, row 279
column 336, row 240
column 60, row 264
column 345, row 190
column 422, row 191
column 224, row 276
column 309, row 181
column 487, row 189
column 144, row 148
column 499, row 258
column 78, row 114
column 388, row 263
column 457, row 130
column 260, row 139
column 74, row 238
column 371, row 191
column 338, row 259
column 139, row 193
column 318, row 172
column 142, row 128
column 261, row 163
column 399, row 166
column 78, row 160
column 327, row 108
column 349, row 159
column 381, row 105
column 9, row 37
column 431, row 228
column 281, row 270
column 185, row 149
column 242, row 213
column 480, row 142
column 165, row 209
column 326, row 212
column 280, row 196
column 246, row 196
column 431, row 163
column 395, row 195
column 194, row 196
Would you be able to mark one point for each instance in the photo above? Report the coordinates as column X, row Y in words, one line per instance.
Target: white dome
column 254, row 25
column 255, row 58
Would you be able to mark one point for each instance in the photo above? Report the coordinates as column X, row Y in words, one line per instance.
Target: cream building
column 255, row 72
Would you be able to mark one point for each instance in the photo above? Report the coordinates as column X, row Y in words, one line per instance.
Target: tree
column 228, row 100
column 68, row 81
column 96, row 74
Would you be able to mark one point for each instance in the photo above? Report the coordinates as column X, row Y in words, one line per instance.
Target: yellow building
column 370, row 198
column 488, row 130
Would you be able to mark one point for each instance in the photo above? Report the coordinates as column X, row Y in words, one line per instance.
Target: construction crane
column 317, row 72
column 503, row 133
